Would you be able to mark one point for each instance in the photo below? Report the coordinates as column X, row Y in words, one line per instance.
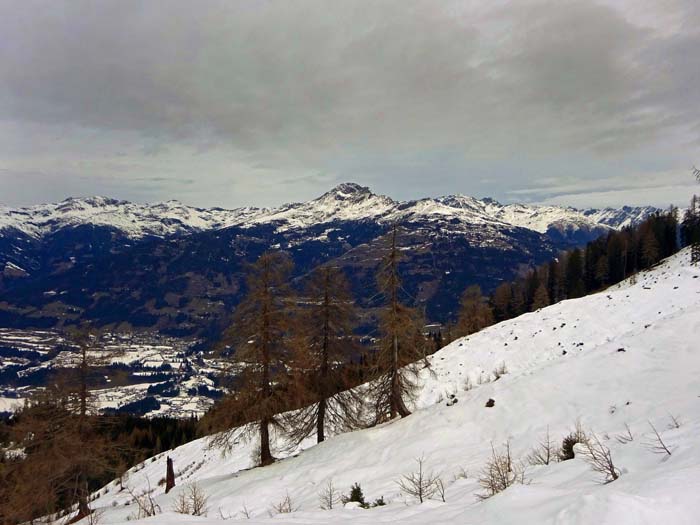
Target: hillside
column 626, row 356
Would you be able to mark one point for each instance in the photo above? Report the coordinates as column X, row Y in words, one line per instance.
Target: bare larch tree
column 324, row 347
column 401, row 343
column 260, row 337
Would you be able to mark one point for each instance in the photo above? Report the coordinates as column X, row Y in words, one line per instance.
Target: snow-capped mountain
column 345, row 202
column 180, row 270
column 133, row 220
column 617, row 362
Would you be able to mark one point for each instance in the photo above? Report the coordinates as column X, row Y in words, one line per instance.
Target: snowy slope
column 620, row 218
column 345, row 202
column 565, row 362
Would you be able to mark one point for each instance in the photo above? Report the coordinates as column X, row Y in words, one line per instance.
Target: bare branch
column 421, row 485
column 657, row 445
column 329, row 496
column 545, row 452
column 626, row 437
column 599, row 458
column 675, row 422
column 285, row 506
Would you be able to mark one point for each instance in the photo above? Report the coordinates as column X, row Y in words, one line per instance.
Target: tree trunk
column 265, row 454
column 397, row 404
column 323, row 403
column 83, row 506
column 320, row 421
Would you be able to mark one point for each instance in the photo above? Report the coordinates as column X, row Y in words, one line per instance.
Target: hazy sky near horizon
column 230, row 103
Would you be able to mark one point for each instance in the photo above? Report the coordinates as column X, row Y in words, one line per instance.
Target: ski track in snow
column 655, row 320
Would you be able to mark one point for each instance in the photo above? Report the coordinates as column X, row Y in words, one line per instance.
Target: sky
column 231, row 103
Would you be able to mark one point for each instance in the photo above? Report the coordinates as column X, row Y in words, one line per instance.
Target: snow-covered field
column 148, row 359
column 626, row 356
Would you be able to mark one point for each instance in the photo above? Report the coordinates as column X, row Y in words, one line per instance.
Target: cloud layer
column 230, row 103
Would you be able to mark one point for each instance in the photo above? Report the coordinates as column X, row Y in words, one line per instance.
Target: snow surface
column 345, row 202
column 565, row 363
column 10, row 404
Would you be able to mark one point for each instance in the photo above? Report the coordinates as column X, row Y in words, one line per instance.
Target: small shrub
column 627, row 437
column 544, row 453
column 146, row 505
column 578, row 435
column 379, row 502
column 420, row 484
column 329, row 496
column 657, row 445
column 499, row 371
column 192, row 500
column 355, row 496
column 460, row 474
column 599, row 458
column 285, row 506
column 500, row 472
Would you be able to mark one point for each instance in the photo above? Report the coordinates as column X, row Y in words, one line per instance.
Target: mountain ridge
column 346, row 201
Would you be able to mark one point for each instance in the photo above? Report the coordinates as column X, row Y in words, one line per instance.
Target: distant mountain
column 345, row 202
column 180, row 270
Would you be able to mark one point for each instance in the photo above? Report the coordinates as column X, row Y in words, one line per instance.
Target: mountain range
column 345, row 202
column 179, row 270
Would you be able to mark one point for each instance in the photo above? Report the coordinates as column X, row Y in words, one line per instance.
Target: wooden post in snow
column 169, row 476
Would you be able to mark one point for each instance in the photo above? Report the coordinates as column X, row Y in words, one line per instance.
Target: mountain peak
column 349, row 189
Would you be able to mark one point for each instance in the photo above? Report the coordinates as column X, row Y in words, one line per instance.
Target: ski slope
column 627, row 356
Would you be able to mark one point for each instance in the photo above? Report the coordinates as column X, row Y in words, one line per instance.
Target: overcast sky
column 230, row 103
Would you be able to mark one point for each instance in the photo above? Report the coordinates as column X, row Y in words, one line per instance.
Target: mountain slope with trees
column 616, row 371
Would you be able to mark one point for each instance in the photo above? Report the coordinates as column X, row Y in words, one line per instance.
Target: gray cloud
column 262, row 102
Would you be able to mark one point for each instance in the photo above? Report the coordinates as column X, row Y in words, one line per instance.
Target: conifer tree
column 691, row 225
column 553, row 280
column 260, row 337
column 501, row 301
column 475, row 312
column 541, row 298
column 574, row 275
column 517, row 301
column 324, row 347
column 401, row 343
column 690, row 229
column 650, row 248
column 602, row 270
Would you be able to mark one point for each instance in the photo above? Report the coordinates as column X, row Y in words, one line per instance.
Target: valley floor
column 626, row 357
